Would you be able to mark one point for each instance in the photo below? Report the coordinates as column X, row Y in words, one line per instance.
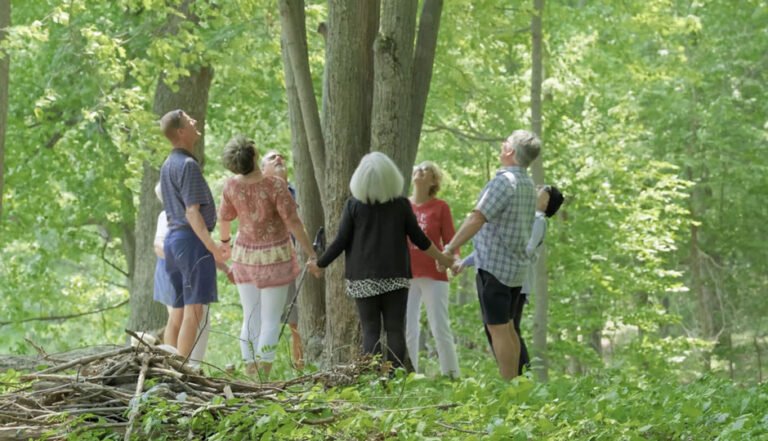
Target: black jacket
column 374, row 239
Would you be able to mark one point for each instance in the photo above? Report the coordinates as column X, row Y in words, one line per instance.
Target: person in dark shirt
column 190, row 252
column 376, row 224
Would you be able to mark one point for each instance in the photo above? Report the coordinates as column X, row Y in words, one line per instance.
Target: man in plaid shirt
column 500, row 224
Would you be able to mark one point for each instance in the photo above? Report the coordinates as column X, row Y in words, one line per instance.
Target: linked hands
column 313, row 268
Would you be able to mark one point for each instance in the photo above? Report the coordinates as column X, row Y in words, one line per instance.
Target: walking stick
column 319, row 246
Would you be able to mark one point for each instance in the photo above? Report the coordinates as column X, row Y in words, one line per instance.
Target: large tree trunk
column 393, row 58
column 541, row 304
column 192, row 97
column 311, row 298
column 348, row 117
column 5, row 22
column 351, row 32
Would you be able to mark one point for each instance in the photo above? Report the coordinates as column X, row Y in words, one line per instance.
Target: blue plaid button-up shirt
column 508, row 203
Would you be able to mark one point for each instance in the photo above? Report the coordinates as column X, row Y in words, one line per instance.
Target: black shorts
column 496, row 299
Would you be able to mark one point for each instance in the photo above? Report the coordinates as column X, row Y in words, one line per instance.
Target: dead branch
column 63, row 317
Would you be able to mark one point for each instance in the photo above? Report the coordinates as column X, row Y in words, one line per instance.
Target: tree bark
column 5, row 23
column 294, row 37
column 146, row 314
column 392, row 60
column 351, row 31
column 311, row 297
column 192, row 97
column 540, row 361
column 423, row 62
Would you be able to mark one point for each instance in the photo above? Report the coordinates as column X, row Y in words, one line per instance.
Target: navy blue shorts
column 497, row 300
column 191, row 268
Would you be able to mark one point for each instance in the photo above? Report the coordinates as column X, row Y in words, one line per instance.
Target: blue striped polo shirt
column 182, row 184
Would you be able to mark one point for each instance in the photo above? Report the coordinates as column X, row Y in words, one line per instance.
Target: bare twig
column 458, row 429
column 137, row 396
column 63, row 317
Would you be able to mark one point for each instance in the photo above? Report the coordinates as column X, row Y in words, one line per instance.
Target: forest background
column 654, row 120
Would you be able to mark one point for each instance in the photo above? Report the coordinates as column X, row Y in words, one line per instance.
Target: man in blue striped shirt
column 500, row 224
column 191, row 254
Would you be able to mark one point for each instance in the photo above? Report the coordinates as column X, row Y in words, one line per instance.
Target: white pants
column 203, row 329
column 435, row 296
column 262, row 309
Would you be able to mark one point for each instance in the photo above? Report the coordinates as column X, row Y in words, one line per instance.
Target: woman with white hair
column 430, row 285
column 373, row 234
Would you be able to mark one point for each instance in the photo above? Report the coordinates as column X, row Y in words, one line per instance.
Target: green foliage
column 654, row 128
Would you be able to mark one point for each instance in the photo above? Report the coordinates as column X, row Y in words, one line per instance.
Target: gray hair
column 527, row 146
column 376, row 179
column 263, row 162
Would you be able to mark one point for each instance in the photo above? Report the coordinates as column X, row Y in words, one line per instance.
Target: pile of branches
column 105, row 391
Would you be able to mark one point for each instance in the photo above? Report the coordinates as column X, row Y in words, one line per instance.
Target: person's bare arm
column 467, row 231
column 296, row 227
column 197, row 223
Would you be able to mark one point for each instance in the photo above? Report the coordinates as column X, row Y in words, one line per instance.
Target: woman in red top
column 263, row 255
column 428, row 284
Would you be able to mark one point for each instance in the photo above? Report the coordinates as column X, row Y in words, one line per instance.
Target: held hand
column 458, row 267
column 445, row 261
column 314, row 269
column 226, row 251
column 218, row 255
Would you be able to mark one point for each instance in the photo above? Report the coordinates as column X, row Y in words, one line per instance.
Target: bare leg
column 193, row 314
column 171, row 335
column 296, row 348
column 506, row 346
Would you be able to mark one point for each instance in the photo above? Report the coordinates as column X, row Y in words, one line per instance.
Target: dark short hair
column 171, row 121
column 555, row 200
column 239, row 154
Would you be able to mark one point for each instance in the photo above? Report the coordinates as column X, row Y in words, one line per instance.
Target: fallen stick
column 84, row 360
column 137, row 396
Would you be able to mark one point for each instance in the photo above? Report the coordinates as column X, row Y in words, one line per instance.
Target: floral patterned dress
column 262, row 253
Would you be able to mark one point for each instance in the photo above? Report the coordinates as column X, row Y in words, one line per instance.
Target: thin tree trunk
column 540, row 361
column 5, row 23
column 351, row 32
column 311, row 298
column 423, row 63
column 393, row 58
column 295, row 41
column 759, row 358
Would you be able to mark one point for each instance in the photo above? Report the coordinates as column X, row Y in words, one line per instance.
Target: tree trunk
column 192, row 97
column 758, row 359
column 146, row 314
column 294, row 36
column 540, row 360
column 423, row 62
column 392, row 58
column 5, row 22
column 347, row 119
column 311, row 298
column 351, row 32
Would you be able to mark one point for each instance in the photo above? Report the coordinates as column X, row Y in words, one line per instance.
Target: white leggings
column 262, row 309
column 435, row 296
